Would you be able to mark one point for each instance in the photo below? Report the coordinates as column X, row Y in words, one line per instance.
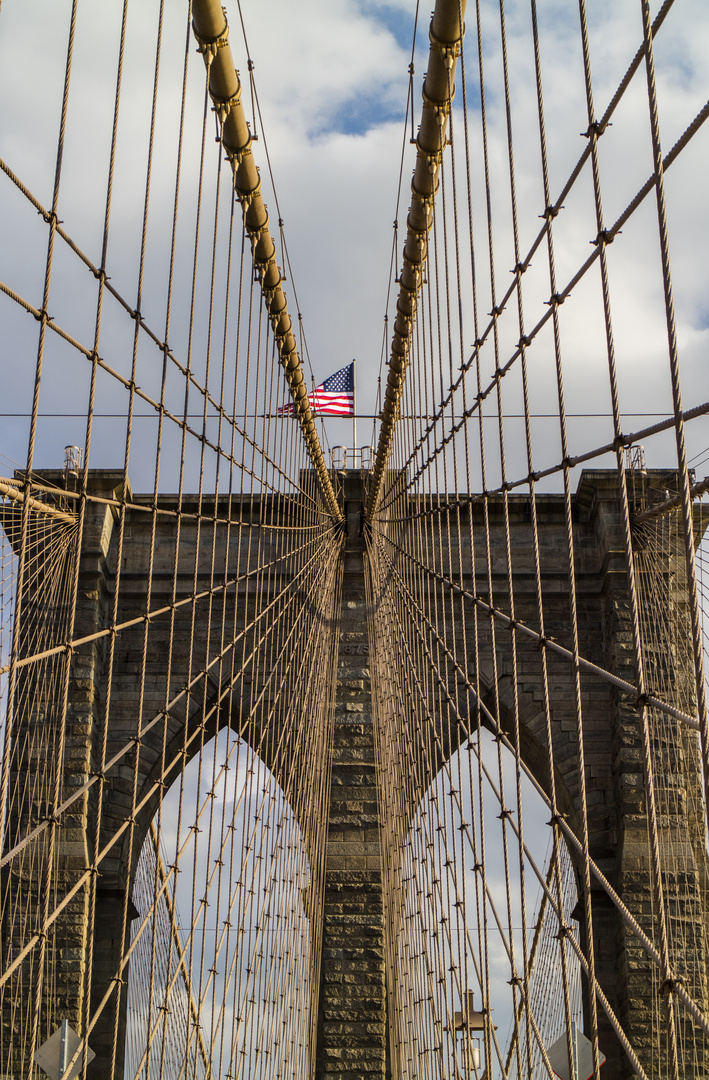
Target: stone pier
column 352, row 1029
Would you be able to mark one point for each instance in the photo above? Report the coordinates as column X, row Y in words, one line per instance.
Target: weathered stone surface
column 352, row 1038
column 353, row 1041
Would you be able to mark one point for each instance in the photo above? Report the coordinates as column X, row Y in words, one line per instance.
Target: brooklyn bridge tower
column 348, row 758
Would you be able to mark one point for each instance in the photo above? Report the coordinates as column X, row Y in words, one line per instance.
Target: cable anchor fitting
column 441, row 109
column 670, row 985
column 596, row 128
column 247, row 197
column 234, row 157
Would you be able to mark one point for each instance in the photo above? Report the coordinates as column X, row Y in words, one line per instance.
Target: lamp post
column 466, row 1022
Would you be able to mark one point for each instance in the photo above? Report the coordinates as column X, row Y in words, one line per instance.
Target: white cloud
column 331, row 80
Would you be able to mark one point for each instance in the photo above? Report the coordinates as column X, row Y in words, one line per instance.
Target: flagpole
column 354, row 416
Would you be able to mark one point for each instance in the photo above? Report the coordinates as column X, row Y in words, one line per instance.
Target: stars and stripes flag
column 333, row 397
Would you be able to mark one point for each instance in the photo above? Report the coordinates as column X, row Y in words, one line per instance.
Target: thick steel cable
column 555, row 300
column 212, row 32
column 446, row 34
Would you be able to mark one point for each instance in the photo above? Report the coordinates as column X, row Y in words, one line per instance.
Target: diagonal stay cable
column 138, row 392
column 551, row 212
column 631, row 439
column 162, row 345
column 78, row 792
column 158, row 784
column 569, row 834
column 156, row 613
column 553, row 304
column 290, row 498
column 518, row 626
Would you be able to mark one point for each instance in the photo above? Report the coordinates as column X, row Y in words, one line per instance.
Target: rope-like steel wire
column 238, row 606
column 446, row 35
column 466, row 605
column 169, row 678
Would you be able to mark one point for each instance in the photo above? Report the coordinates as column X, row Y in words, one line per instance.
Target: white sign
column 54, row 1055
column 583, row 1056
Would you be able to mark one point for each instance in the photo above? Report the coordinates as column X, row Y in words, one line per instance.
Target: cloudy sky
column 333, row 91
column 332, row 81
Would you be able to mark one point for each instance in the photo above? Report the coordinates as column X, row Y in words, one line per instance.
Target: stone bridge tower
column 353, row 1038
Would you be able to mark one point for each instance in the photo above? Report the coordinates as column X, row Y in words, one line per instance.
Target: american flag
column 334, row 397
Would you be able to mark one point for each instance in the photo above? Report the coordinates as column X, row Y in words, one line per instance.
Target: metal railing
column 352, row 457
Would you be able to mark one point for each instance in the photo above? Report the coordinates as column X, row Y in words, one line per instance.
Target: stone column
column 631, row 980
column 352, row 1029
column 43, row 740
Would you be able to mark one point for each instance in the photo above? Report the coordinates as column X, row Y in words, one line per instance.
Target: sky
column 332, row 80
column 333, row 170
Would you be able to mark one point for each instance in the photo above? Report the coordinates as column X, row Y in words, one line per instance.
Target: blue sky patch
column 400, row 24
column 360, row 113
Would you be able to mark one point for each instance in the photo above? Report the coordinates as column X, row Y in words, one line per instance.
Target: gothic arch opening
column 468, row 912
column 221, row 980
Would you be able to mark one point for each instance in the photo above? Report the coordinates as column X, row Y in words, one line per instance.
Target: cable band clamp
column 208, row 46
column 449, row 51
column 222, row 107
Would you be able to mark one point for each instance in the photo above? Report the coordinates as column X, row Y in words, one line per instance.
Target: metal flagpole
column 354, row 416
